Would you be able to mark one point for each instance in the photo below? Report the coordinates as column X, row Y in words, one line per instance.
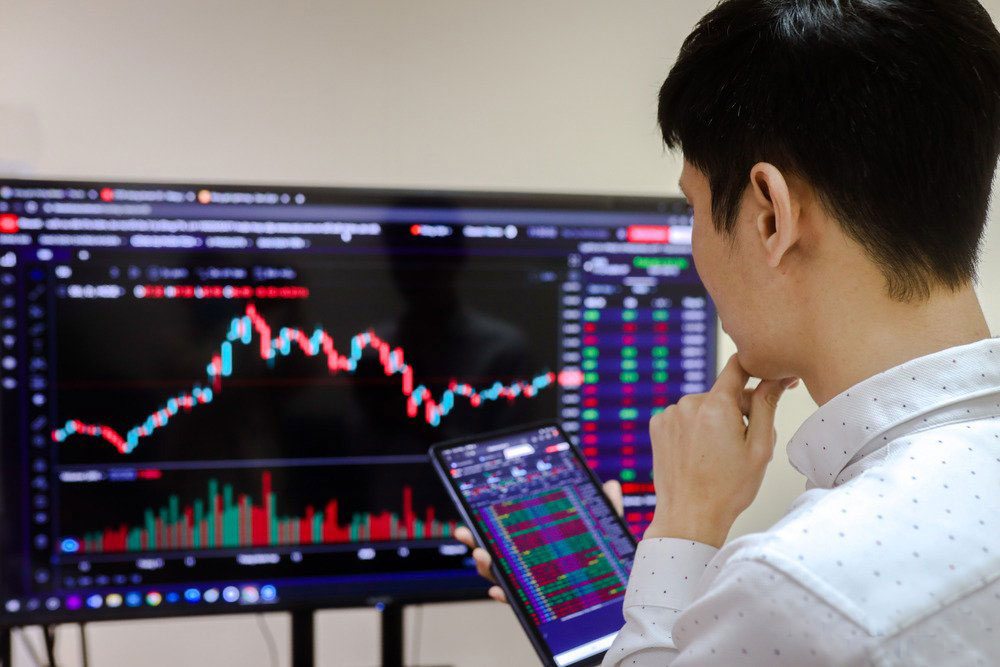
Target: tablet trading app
column 556, row 539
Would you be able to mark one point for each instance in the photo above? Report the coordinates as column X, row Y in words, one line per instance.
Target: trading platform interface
column 221, row 396
column 556, row 537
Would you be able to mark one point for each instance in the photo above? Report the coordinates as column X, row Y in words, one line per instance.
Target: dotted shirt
column 890, row 557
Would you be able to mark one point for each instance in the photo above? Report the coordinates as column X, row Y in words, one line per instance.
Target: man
column 839, row 156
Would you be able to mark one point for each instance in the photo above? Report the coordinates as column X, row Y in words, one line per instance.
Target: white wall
column 554, row 96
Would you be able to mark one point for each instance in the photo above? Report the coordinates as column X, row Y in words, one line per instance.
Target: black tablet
column 560, row 551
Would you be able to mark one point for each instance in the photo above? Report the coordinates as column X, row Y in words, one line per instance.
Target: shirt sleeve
column 662, row 584
column 750, row 613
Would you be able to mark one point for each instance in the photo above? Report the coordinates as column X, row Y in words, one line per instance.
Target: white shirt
column 890, row 557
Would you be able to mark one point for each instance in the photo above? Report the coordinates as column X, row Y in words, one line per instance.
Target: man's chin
column 757, row 367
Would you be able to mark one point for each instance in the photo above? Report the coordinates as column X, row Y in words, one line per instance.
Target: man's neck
column 859, row 340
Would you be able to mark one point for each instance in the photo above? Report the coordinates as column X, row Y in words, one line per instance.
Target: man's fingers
column 733, row 378
column 483, row 562
column 763, row 405
column 746, row 398
column 464, row 535
column 613, row 490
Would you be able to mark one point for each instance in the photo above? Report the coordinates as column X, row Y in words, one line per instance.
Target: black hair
column 889, row 109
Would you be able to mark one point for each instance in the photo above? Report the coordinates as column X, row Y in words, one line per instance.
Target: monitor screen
column 215, row 398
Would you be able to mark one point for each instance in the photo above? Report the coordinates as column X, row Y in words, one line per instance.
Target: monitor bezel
column 456, row 586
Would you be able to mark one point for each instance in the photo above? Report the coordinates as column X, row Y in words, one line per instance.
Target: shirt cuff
column 666, row 571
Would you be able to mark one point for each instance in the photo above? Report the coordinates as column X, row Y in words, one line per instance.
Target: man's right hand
column 612, row 489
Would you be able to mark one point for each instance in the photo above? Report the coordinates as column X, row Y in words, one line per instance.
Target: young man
column 839, row 156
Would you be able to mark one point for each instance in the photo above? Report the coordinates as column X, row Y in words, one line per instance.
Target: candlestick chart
column 348, row 371
column 420, row 401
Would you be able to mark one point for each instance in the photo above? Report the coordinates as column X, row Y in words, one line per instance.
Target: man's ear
column 778, row 219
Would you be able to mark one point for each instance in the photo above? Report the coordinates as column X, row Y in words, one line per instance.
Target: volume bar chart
column 225, row 519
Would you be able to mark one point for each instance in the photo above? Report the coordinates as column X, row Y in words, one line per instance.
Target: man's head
column 818, row 132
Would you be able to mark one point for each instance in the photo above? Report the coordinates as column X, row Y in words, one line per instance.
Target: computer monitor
column 218, row 398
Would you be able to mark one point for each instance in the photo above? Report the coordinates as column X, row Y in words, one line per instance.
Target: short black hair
column 889, row 109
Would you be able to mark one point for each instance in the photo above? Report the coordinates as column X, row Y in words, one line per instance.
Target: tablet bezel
column 465, row 510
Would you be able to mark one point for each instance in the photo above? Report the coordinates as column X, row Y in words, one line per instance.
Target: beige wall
column 440, row 93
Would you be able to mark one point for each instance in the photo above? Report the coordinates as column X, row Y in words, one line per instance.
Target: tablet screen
column 559, row 543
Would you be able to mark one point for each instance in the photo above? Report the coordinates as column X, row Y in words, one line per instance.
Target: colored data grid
column 226, row 520
column 638, row 354
column 559, row 566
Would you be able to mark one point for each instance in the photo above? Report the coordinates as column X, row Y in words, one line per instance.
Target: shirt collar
column 829, row 440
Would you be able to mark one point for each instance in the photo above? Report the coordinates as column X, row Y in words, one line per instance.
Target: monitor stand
column 391, row 620
column 303, row 638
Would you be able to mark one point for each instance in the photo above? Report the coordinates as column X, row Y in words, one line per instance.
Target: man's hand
column 612, row 489
column 708, row 461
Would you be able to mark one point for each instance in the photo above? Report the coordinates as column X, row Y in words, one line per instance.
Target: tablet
column 560, row 551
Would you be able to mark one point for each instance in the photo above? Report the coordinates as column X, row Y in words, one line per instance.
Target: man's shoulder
column 898, row 542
